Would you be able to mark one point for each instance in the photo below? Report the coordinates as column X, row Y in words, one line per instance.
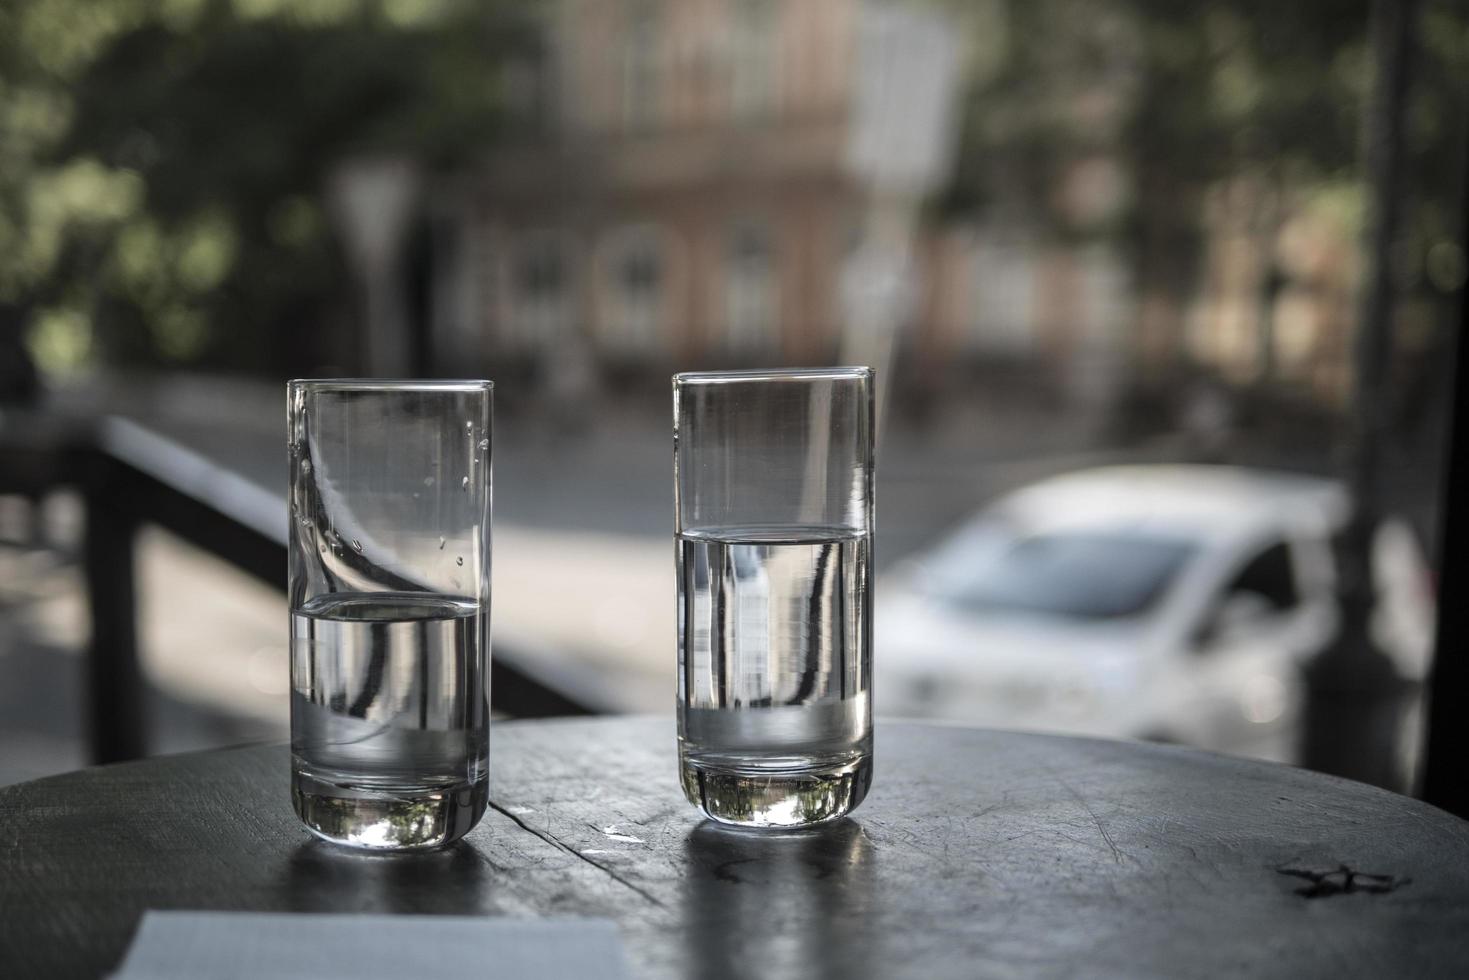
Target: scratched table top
column 977, row 854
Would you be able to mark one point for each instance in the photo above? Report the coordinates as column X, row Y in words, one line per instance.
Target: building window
column 635, row 282
column 752, row 58
column 749, row 289
column 542, row 290
column 640, row 66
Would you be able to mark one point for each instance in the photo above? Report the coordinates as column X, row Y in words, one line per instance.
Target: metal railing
column 130, row 475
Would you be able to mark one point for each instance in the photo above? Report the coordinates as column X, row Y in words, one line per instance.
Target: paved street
column 210, row 637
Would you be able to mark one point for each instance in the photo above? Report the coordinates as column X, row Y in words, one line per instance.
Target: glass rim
column 845, row 373
column 391, row 384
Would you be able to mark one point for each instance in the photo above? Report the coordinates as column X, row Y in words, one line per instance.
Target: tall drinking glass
column 773, row 498
column 390, row 603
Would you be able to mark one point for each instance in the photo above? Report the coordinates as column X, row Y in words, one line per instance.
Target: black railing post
column 1356, row 699
column 1446, row 733
column 115, row 688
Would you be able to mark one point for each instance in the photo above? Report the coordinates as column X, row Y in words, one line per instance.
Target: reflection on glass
column 1081, row 574
column 451, row 880
column 791, row 903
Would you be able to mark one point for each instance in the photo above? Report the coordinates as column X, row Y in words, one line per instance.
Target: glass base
column 380, row 819
column 753, row 797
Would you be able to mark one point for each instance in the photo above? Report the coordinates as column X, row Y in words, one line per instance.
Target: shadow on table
column 324, row 878
column 779, row 904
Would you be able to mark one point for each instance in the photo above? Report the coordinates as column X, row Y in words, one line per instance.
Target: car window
column 1075, row 574
column 1270, row 576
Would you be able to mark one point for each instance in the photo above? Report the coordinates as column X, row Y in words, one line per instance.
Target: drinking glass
column 390, row 601
column 773, row 479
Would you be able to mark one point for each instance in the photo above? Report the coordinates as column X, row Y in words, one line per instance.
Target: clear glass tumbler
column 390, row 609
column 773, row 479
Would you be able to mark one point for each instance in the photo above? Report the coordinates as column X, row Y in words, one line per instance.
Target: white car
column 1168, row 602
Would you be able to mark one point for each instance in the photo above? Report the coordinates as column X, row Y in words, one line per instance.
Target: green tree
column 162, row 161
column 1183, row 96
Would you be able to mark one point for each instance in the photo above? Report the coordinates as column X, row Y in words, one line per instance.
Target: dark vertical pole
column 114, row 681
column 1445, row 783
column 1355, row 697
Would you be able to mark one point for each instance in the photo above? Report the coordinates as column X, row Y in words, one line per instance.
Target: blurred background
column 1161, row 294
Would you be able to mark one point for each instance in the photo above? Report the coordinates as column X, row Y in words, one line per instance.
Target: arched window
column 634, row 274
column 543, row 300
column 752, row 59
column 750, row 302
column 640, row 68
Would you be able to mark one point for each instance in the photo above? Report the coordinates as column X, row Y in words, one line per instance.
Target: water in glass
column 774, row 673
column 388, row 733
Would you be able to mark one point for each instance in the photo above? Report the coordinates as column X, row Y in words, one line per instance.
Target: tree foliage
column 162, row 161
column 1180, row 96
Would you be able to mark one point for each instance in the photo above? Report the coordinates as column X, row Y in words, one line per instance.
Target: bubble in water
column 357, row 545
column 441, row 542
column 305, row 522
column 468, row 426
column 459, row 560
column 306, row 465
column 484, row 444
column 464, row 483
column 428, row 481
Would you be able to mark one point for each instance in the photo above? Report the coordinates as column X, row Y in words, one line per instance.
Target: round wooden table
column 977, row 854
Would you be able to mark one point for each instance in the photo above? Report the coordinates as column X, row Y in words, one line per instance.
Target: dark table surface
column 978, row 853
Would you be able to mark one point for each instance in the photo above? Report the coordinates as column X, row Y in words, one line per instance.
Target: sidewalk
column 43, row 638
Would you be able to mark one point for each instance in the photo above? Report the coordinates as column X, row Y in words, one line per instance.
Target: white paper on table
column 283, row 946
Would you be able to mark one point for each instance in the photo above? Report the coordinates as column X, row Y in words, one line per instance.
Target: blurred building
column 1277, row 300
column 680, row 191
column 694, row 183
